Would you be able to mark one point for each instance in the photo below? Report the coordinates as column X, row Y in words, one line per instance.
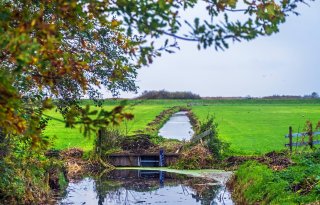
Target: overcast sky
column 285, row 63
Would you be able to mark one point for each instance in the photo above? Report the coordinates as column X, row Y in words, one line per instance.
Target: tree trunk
column 3, row 145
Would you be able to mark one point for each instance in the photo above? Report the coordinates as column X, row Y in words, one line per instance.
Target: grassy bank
column 251, row 126
column 256, row 183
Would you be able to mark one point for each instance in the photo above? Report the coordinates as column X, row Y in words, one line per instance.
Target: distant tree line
column 312, row 95
column 163, row 94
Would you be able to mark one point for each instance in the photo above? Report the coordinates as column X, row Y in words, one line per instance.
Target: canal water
column 177, row 127
column 145, row 187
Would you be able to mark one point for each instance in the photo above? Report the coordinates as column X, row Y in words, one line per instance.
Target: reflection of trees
column 123, row 188
column 207, row 194
column 203, row 191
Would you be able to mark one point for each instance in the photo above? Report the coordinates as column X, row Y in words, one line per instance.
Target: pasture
column 251, row 126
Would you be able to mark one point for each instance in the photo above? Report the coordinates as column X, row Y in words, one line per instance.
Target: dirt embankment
column 76, row 166
column 274, row 160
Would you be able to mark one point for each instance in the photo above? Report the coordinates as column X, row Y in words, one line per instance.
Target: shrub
column 107, row 140
column 162, row 94
column 215, row 145
column 27, row 175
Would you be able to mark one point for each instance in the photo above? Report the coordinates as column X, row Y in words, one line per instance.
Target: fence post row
column 310, row 137
column 311, row 142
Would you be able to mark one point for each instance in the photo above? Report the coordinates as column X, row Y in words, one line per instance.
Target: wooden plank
column 302, row 143
column 302, row 134
column 143, row 161
column 200, row 136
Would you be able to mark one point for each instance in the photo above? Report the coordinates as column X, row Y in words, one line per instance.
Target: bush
column 162, row 94
column 107, row 141
column 27, row 175
column 215, row 145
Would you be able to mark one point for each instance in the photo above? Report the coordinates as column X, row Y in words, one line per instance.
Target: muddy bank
column 76, row 166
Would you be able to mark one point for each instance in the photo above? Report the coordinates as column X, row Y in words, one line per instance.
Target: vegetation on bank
column 27, row 175
column 206, row 152
column 299, row 183
column 113, row 140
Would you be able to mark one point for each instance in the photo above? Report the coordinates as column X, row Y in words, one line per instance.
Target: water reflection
column 145, row 187
column 177, row 127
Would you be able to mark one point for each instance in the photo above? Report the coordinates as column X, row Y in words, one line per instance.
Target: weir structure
column 160, row 159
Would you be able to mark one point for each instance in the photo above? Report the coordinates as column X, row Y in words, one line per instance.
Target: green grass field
column 66, row 138
column 250, row 126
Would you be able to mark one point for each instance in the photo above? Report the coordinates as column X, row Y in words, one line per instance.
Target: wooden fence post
column 310, row 137
column 290, row 138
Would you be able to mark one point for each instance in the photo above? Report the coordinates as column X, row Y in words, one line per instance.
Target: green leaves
column 92, row 120
column 68, row 49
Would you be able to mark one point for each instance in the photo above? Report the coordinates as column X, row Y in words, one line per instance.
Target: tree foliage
column 54, row 52
column 64, row 50
column 163, row 94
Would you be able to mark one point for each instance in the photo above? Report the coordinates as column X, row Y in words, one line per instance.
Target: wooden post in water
column 290, row 138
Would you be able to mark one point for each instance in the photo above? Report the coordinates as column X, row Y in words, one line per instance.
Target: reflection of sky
column 178, row 127
column 83, row 192
column 284, row 63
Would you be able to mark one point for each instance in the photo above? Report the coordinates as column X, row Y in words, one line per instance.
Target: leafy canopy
column 56, row 51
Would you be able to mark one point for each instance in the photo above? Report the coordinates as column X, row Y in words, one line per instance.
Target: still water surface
column 177, row 127
column 145, row 187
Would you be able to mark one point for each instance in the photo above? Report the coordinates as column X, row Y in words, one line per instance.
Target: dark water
column 177, row 127
column 145, row 187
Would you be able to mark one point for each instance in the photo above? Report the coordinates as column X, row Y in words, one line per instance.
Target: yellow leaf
column 232, row 3
column 115, row 23
column 33, row 22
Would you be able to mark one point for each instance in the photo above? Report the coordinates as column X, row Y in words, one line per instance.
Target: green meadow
column 251, row 126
